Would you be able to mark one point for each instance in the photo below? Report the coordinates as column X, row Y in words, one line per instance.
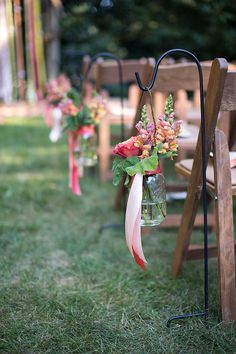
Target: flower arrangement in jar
column 81, row 120
column 139, row 159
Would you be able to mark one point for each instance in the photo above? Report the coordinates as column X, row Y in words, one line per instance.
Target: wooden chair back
column 220, row 97
column 179, row 79
column 107, row 71
column 182, row 76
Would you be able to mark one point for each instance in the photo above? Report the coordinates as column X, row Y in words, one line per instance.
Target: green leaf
column 86, row 113
column 132, row 160
column 127, row 181
column 74, row 95
column 83, row 117
column 116, row 162
column 71, row 123
column 147, row 164
column 167, row 155
column 137, row 168
column 119, row 167
column 150, row 163
column 118, row 177
column 118, row 170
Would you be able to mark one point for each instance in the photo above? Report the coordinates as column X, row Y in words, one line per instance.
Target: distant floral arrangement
column 78, row 114
column 61, row 94
column 71, row 114
column 57, row 88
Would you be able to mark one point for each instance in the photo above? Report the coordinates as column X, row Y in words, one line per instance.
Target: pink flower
column 127, row 148
column 138, row 126
column 150, row 128
column 57, row 88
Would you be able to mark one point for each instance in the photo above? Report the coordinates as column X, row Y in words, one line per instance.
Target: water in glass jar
column 153, row 213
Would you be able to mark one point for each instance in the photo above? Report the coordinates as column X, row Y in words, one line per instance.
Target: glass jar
column 87, row 148
column 153, row 211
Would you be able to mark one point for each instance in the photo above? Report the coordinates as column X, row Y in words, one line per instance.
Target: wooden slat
column 108, row 72
column 173, row 221
column 228, row 101
column 225, row 228
column 182, row 76
column 185, row 167
column 20, row 109
column 197, row 251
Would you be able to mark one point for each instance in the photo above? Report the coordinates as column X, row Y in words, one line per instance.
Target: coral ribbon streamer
column 73, row 168
column 133, row 221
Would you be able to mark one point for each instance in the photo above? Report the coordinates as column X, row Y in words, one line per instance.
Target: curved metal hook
column 105, row 55
column 171, row 51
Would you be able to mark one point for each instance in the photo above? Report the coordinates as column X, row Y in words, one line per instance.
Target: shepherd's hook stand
column 122, row 132
column 204, row 313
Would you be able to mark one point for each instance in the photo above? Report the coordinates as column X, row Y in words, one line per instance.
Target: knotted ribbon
column 133, row 218
column 73, row 168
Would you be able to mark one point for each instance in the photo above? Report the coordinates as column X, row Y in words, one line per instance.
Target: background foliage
column 137, row 28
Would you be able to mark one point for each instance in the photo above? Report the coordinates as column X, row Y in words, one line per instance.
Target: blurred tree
column 135, row 28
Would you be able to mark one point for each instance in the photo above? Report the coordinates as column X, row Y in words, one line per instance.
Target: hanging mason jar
column 87, row 146
column 154, row 200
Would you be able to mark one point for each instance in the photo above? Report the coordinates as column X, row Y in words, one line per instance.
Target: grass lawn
column 65, row 288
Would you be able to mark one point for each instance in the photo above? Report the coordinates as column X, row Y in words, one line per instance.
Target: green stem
column 153, row 115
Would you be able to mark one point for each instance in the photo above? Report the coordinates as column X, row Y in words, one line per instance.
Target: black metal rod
column 187, row 315
column 121, row 83
column 204, row 188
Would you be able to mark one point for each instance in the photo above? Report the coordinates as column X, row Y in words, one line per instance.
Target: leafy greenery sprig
column 82, row 118
column 144, row 117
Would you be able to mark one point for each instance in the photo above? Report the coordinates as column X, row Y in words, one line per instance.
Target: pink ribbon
column 73, row 168
column 133, row 218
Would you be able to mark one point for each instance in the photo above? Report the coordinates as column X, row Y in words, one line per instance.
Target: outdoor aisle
column 68, row 289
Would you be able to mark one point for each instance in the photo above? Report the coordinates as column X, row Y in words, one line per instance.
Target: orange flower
column 173, row 146
column 145, row 153
column 68, row 108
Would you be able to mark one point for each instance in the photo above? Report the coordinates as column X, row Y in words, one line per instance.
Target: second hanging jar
column 87, row 146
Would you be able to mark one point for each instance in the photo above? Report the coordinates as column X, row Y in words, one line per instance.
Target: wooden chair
column 106, row 72
column 221, row 184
